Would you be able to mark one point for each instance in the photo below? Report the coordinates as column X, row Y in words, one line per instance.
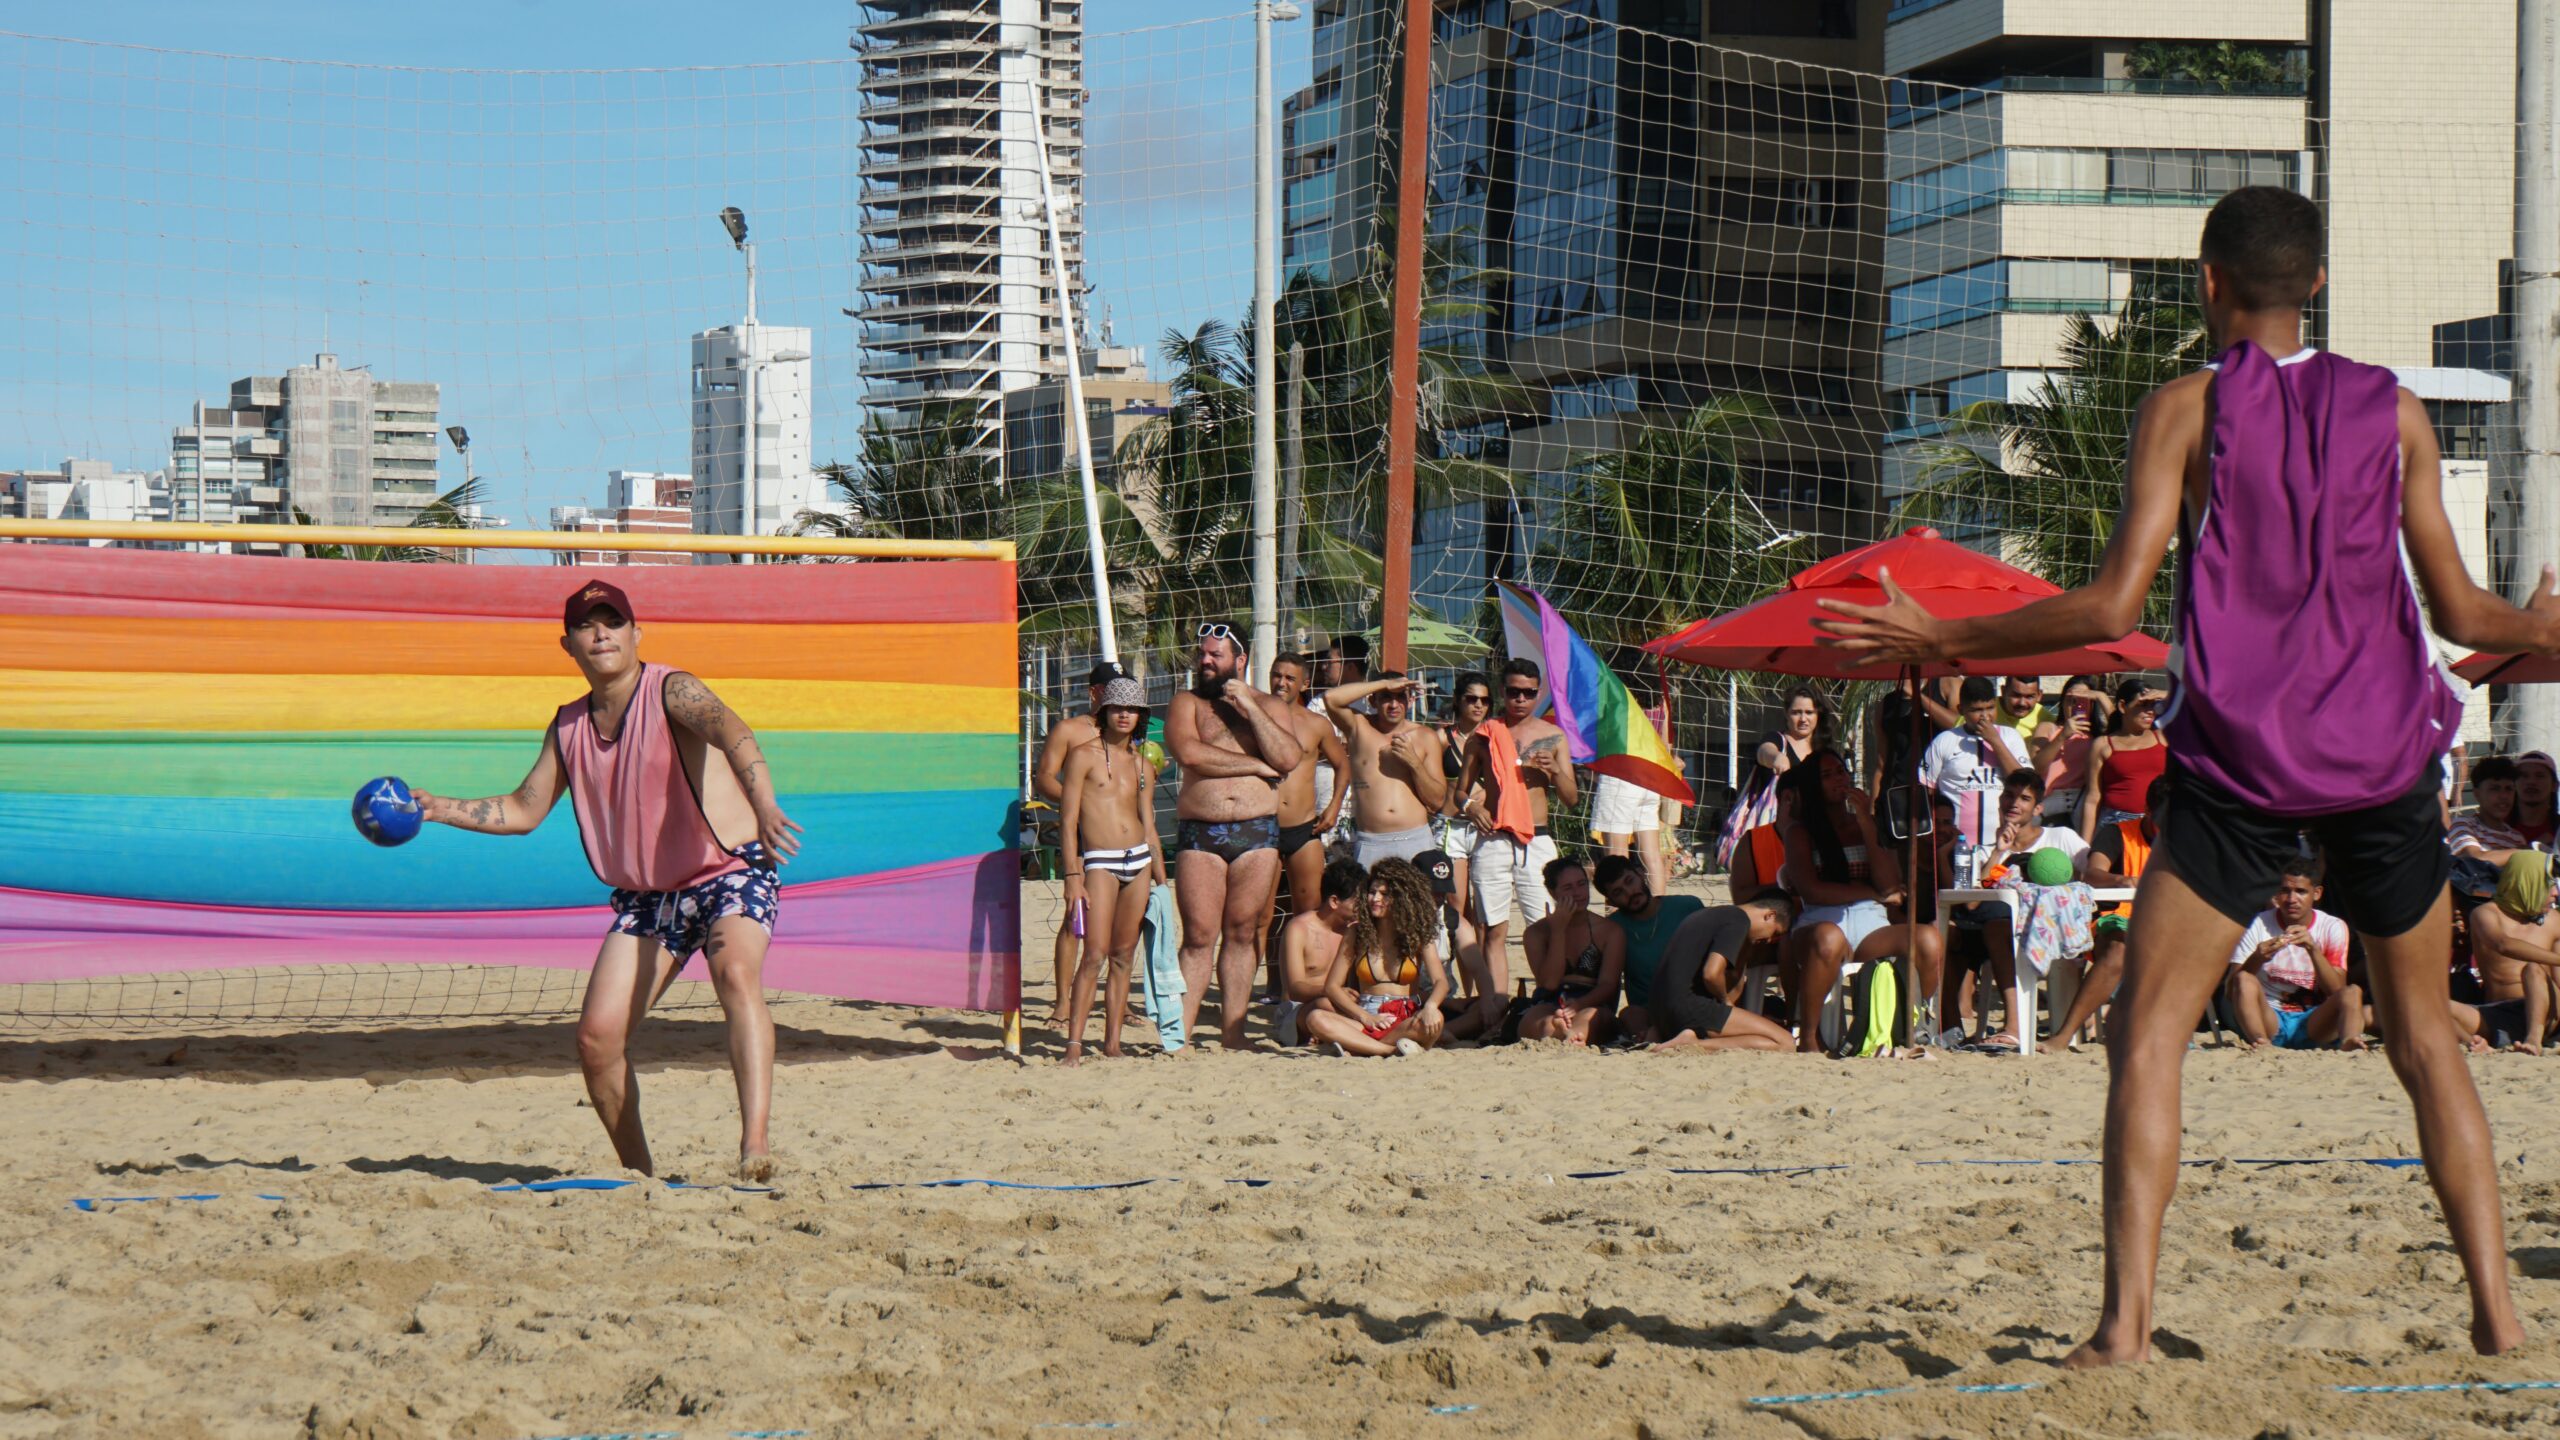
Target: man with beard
column 1235, row 745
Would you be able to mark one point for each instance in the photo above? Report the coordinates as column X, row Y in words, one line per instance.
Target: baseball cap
column 2538, row 757
column 1123, row 693
column 1103, row 673
column 1440, row 870
column 591, row 595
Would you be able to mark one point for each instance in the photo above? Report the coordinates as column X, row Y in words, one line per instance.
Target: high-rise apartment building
column 85, row 490
column 958, row 305
column 784, row 485
column 636, row 502
column 1680, row 199
column 2045, row 155
column 339, row 445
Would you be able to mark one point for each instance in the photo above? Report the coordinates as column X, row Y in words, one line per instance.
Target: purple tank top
column 2303, row 680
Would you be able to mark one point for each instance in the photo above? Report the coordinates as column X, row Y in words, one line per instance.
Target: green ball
column 2048, row 867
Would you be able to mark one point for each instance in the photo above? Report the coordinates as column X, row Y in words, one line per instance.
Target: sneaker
column 1408, row 1047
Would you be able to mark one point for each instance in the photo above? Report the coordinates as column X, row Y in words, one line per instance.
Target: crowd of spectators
column 1420, row 849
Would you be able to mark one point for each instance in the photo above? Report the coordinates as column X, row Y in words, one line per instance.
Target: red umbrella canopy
column 2528, row 669
column 1776, row 634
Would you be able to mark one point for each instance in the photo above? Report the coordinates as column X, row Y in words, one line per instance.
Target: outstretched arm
column 2462, row 612
column 2167, row 430
column 691, row 704
column 516, row 813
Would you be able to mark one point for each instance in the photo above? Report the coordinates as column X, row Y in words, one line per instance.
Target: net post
column 1404, row 409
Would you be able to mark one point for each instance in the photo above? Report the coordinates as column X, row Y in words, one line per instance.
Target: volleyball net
column 1704, row 299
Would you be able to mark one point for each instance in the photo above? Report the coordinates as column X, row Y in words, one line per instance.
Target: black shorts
column 2386, row 863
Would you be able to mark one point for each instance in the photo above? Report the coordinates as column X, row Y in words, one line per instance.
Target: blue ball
column 385, row 813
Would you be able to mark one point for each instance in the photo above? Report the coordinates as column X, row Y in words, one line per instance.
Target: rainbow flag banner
column 1604, row 727
column 184, row 733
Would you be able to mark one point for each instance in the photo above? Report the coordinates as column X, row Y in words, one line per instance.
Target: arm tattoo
column 693, row 705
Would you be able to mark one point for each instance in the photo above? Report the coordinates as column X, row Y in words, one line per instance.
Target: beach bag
column 1870, row 1011
column 1757, row 806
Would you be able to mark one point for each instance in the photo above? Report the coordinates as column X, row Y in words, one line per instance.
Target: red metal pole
column 1404, row 374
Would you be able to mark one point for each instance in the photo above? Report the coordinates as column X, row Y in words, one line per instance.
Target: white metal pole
column 747, row 405
column 1732, row 734
column 1076, row 427
column 1292, row 471
column 2537, row 333
column 1266, row 282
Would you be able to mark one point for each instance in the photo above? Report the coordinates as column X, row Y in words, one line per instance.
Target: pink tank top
column 637, row 812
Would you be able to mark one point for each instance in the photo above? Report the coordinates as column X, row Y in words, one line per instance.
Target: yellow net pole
column 187, row 532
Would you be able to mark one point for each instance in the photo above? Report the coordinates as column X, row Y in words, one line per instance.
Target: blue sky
column 542, row 242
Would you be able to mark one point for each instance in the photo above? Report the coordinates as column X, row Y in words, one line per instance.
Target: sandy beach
column 1522, row 1242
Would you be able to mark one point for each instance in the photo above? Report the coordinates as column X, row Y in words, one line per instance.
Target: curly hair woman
column 1387, row 985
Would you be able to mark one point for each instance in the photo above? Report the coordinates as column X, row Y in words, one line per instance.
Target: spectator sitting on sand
column 2288, row 984
column 1576, row 959
column 1387, row 985
column 2515, row 943
column 1647, row 921
column 1694, row 990
column 1308, row 946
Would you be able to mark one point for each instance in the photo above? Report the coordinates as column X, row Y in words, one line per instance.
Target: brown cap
column 591, row 595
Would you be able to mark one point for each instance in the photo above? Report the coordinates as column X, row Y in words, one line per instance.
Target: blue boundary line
column 1827, row 1397
column 93, row 1203
column 2495, row 1387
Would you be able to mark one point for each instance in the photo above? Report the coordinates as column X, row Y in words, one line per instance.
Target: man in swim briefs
column 1064, row 738
column 690, row 847
column 1235, row 744
column 1304, row 819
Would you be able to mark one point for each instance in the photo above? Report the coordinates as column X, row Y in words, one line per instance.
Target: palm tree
column 2046, row 474
column 451, row 510
column 1653, row 535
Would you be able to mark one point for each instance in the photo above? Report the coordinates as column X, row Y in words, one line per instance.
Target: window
column 1755, row 107
column 1809, row 19
column 2059, row 285
column 1803, row 204
column 1942, row 300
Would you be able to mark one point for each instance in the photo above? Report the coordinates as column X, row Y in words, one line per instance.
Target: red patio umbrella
column 1776, row 634
column 2527, row 669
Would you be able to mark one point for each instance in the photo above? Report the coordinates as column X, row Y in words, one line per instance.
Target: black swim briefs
column 1230, row 839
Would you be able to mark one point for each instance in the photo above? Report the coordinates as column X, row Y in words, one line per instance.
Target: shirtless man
column 1063, row 739
column 1304, row 821
column 2515, row 942
column 1108, row 834
column 1307, row 947
column 1506, row 868
column 1397, row 784
column 1235, row 744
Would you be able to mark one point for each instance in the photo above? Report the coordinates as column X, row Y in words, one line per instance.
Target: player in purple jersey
column 2293, row 479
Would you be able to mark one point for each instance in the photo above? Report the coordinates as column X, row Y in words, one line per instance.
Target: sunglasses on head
column 1220, row 629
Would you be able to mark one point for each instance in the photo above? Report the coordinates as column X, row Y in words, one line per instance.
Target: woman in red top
column 2124, row 761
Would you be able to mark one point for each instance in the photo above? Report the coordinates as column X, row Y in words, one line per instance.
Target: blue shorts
column 681, row 920
column 2290, row 1025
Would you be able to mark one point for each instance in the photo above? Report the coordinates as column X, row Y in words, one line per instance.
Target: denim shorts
column 681, row 920
column 1856, row 922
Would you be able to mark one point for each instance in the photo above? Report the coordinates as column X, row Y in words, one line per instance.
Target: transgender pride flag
column 1603, row 727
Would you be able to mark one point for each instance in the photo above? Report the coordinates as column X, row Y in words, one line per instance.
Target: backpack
column 1870, row 1011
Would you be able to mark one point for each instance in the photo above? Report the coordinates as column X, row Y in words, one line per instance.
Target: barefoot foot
column 2495, row 1335
column 1075, row 1054
column 2101, row 1352
column 757, row 1168
column 1111, row 1050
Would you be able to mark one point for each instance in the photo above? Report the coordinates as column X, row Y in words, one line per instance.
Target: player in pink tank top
column 689, row 846
column 2308, row 489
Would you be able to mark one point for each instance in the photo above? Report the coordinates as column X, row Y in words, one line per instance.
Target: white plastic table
column 2022, row 1014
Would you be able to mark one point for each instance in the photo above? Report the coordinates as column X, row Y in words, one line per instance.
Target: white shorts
column 1503, row 869
column 1621, row 808
column 1856, row 922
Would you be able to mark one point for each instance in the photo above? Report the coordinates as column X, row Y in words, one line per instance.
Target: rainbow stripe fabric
column 1603, row 726
column 184, row 734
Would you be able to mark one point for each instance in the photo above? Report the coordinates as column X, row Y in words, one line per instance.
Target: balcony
column 1916, row 100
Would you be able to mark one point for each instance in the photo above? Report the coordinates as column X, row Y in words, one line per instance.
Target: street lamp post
column 734, row 220
column 461, row 439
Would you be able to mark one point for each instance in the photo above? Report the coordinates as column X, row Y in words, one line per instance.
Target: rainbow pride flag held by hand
column 1603, row 726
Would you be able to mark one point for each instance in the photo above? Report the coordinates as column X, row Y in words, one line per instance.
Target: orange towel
column 1510, row 797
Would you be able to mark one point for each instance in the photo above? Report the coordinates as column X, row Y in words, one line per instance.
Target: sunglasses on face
column 1520, row 694
column 1475, row 699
